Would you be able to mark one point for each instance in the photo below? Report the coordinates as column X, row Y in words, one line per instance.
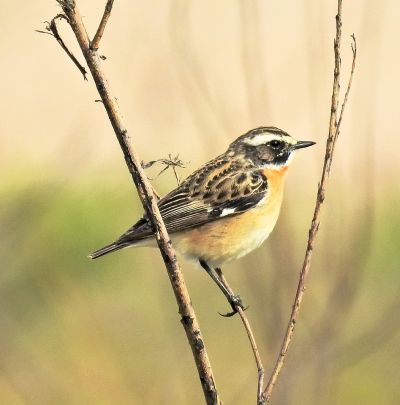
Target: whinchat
column 225, row 209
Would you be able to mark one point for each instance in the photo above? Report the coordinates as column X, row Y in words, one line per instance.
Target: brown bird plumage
column 227, row 207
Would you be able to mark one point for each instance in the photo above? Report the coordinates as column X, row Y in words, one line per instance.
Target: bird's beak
column 303, row 144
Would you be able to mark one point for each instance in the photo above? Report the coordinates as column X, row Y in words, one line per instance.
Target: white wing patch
column 227, row 211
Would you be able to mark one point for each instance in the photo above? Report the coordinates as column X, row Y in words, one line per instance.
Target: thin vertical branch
column 188, row 316
column 250, row 335
column 334, row 128
column 256, row 353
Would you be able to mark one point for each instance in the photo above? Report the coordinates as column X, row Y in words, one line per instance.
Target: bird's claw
column 236, row 303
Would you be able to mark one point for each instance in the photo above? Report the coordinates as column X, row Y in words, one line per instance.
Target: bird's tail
column 112, row 247
column 135, row 235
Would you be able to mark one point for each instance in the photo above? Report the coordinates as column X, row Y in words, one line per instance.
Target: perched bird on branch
column 227, row 207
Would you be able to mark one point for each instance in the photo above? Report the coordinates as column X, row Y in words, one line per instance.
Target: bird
column 226, row 208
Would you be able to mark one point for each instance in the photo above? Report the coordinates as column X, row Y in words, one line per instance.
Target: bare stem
column 94, row 45
column 188, row 316
column 346, row 95
column 334, row 126
column 250, row 335
column 257, row 357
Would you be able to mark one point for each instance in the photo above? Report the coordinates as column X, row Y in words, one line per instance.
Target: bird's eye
column 275, row 144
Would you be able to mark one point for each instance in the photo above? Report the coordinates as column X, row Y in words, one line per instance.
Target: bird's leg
column 237, row 297
column 234, row 300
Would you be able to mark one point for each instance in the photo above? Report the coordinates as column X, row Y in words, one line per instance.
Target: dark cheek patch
column 265, row 153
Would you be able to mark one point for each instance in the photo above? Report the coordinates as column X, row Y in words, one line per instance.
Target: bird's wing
column 221, row 188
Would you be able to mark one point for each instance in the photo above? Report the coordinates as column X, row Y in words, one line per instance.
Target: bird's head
column 267, row 147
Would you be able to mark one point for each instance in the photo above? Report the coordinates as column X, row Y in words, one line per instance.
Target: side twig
column 171, row 162
column 51, row 29
column 334, row 127
column 94, row 45
column 188, row 316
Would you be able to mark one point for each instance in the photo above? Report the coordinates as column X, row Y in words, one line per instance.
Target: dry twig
column 51, row 29
column 171, row 162
column 334, row 128
column 250, row 335
column 188, row 317
column 94, row 45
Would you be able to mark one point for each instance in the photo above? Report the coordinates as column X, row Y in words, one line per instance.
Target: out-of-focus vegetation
column 191, row 77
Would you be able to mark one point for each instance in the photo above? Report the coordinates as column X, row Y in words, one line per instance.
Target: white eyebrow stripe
column 262, row 139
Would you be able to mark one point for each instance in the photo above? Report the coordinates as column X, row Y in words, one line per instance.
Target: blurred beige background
column 190, row 77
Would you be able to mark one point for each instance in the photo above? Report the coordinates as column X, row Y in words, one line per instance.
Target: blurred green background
column 190, row 77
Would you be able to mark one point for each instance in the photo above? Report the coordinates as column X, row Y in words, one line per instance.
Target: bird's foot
column 236, row 304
